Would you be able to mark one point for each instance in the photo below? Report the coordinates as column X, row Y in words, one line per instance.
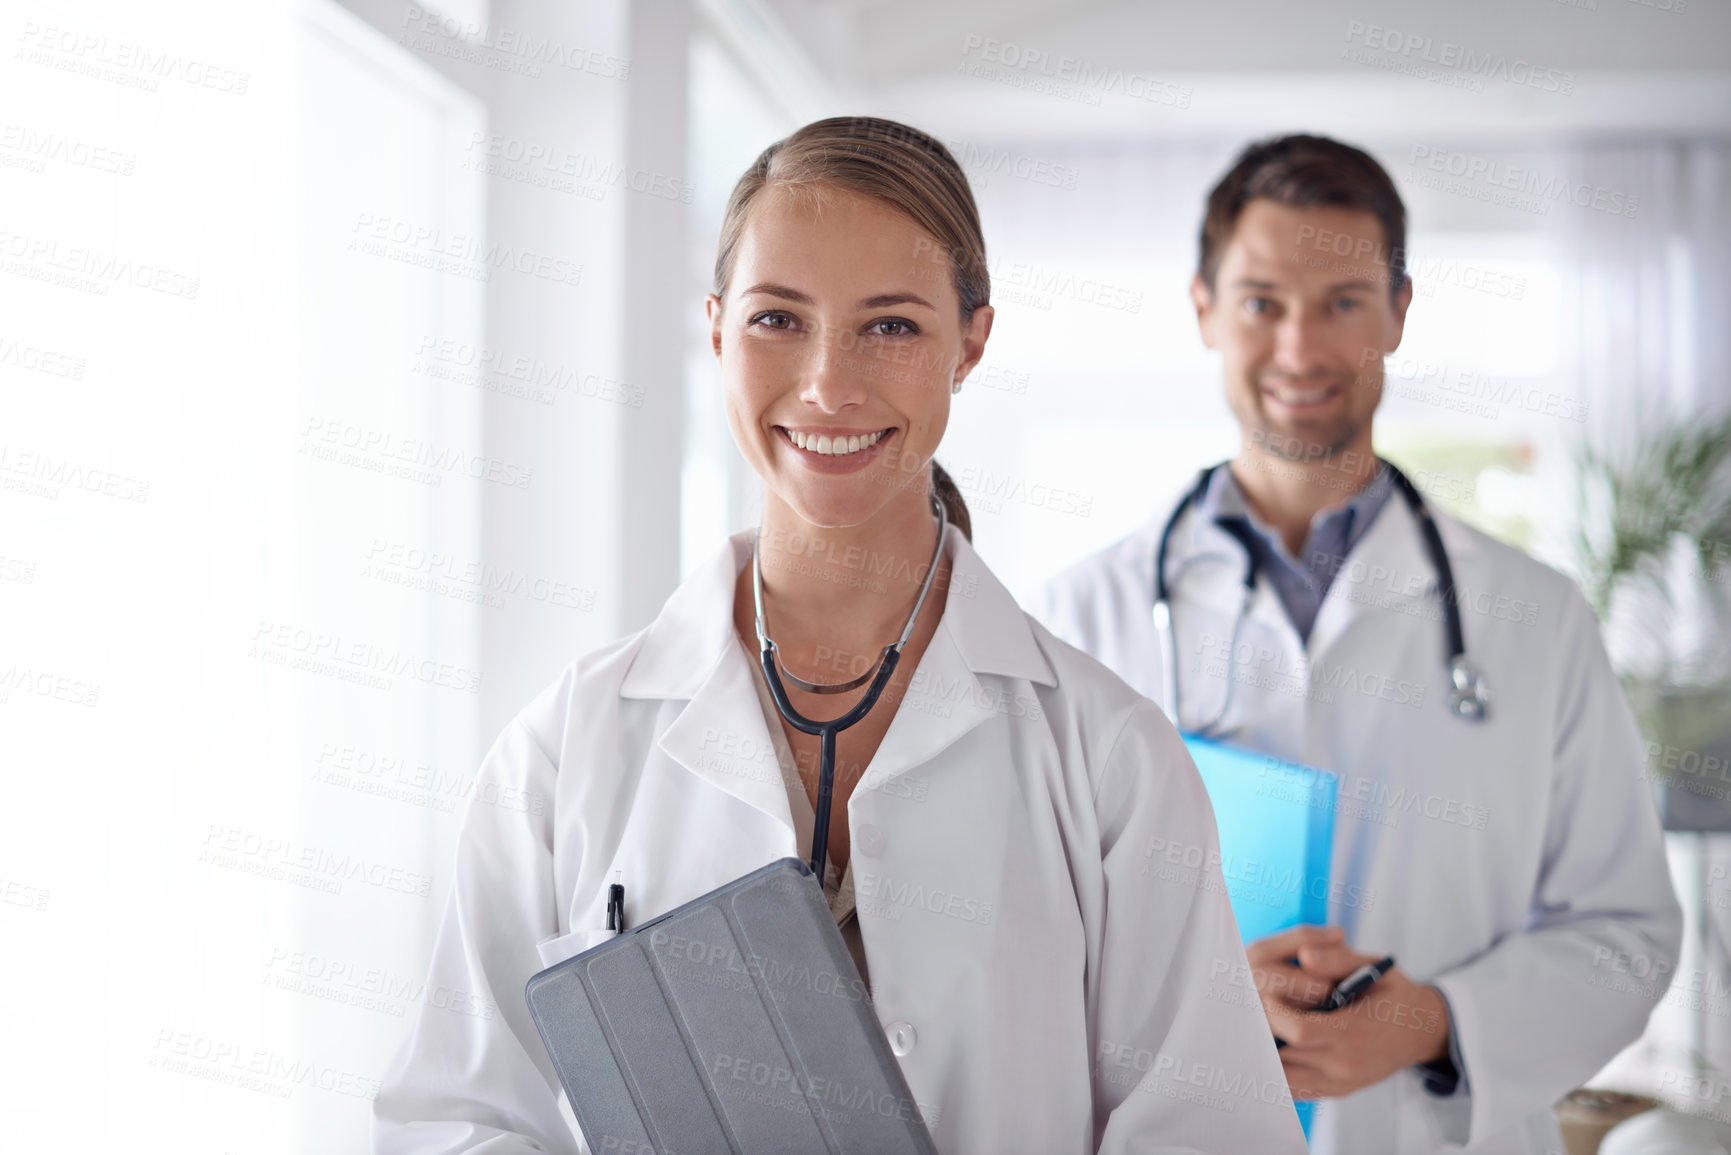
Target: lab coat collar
column 1195, row 536
column 694, row 630
column 1389, row 570
column 691, row 652
column 1374, row 578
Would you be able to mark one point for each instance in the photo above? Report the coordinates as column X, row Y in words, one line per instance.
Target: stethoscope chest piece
column 1468, row 697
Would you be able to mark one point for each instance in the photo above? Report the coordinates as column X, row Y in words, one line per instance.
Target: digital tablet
column 736, row 1023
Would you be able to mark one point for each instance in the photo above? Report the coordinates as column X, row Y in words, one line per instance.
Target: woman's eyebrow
column 882, row 300
column 770, row 289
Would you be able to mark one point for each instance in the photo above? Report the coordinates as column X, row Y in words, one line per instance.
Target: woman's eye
column 773, row 319
column 892, row 327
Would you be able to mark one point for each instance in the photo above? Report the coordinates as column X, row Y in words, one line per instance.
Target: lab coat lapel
column 942, row 703
column 691, row 652
column 1248, row 662
column 983, row 631
column 1211, row 593
column 722, row 737
column 1217, row 588
column 1387, row 571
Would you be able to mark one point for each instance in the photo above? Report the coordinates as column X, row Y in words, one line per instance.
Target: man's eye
column 1257, row 305
column 773, row 319
column 1346, row 304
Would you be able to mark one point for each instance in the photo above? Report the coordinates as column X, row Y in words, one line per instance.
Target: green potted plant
column 1653, row 547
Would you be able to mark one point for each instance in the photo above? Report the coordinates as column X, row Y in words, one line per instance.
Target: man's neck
column 1287, row 495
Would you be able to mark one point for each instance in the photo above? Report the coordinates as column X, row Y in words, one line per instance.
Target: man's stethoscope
column 879, row 676
column 1468, row 696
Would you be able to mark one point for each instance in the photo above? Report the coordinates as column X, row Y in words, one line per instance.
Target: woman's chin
column 830, row 512
column 841, row 501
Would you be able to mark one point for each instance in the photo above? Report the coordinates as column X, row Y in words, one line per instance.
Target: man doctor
column 1511, row 863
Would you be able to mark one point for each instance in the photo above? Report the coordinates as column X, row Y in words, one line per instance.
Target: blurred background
column 353, row 380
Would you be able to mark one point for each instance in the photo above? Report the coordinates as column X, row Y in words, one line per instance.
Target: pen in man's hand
column 1350, row 988
column 1356, row 984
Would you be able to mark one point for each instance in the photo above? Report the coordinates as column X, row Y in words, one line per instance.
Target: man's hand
column 1394, row 1025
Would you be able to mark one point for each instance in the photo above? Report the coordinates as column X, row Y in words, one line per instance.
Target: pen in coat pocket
column 616, row 905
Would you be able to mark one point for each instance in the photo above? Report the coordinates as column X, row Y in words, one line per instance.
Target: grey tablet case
column 734, row 1024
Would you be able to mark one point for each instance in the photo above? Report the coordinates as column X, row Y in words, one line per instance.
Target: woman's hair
column 899, row 165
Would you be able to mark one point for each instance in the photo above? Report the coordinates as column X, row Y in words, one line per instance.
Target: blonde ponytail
column 954, row 507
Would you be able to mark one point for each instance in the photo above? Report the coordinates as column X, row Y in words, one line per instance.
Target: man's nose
column 1301, row 345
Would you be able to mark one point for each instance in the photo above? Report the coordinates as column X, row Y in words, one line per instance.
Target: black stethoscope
column 879, row 676
column 1468, row 696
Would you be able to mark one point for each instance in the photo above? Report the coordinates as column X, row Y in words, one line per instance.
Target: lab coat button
column 870, row 840
column 902, row 1038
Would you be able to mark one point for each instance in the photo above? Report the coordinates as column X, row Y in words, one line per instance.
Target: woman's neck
column 838, row 596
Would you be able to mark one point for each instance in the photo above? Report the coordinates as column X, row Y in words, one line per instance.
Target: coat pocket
column 557, row 950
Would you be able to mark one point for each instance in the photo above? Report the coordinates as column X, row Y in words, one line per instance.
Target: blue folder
column 1276, row 822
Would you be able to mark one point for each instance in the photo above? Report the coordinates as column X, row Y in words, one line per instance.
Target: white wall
column 233, row 732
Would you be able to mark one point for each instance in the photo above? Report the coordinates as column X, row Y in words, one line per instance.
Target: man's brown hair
column 1303, row 172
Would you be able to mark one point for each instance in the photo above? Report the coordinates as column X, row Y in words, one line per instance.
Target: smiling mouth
column 1289, row 395
column 834, row 445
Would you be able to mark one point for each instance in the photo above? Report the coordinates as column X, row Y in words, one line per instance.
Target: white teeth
column 1300, row 396
column 833, row 446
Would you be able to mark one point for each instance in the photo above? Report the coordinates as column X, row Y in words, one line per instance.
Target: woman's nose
column 833, row 373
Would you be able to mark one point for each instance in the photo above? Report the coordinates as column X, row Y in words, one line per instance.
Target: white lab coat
column 1052, row 983
column 1516, row 864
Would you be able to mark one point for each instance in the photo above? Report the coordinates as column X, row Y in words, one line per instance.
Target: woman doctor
column 1020, row 852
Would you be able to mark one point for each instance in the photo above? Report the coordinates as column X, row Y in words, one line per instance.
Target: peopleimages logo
column 1070, row 77
column 1458, row 58
column 1497, row 175
column 125, row 62
column 983, row 162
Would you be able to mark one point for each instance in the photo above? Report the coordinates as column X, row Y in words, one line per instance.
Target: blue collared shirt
column 1301, row 582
